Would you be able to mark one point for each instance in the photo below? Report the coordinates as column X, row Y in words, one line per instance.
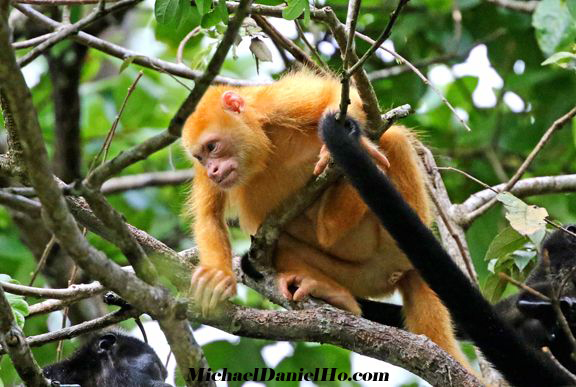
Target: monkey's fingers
column 205, row 288
column 285, row 281
column 209, row 291
column 379, row 158
column 224, row 289
column 323, row 160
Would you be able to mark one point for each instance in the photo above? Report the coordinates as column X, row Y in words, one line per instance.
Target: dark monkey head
column 560, row 248
column 110, row 359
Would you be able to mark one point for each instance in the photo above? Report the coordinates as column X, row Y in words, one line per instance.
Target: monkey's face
column 217, row 153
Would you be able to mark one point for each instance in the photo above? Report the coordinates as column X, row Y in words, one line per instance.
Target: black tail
column 520, row 364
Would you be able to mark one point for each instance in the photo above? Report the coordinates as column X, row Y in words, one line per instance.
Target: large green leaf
column 555, row 26
column 294, row 9
column 505, row 243
column 167, row 11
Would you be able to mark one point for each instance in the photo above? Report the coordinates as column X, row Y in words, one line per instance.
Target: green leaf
column 17, row 303
column 294, row 9
column 203, row 6
column 222, row 11
column 523, row 259
column 572, row 9
column 524, row 218
column 555, row 27
column 210, row 19
column 506, row 242
column 494, row 288
column 167, row 11
column 563, row 59
column 128, row 61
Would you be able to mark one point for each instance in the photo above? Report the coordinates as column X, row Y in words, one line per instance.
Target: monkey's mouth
column 228, row 180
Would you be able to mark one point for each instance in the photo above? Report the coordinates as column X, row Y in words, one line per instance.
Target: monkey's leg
column 340, row 210
column 425, row 314
column 293, row 272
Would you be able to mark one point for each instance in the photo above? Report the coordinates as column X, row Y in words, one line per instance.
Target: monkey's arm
column 214, row 280
column 519, row 363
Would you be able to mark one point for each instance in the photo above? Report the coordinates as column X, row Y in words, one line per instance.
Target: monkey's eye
column 211, row 146
column 198, row 157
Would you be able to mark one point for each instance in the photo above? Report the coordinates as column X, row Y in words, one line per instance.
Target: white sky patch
column 273, row 354
column 514, row 102
column 397, row 375
column 519, row 67
column 326, row 48
column 463, row 114
column 440, row 75
column 287, row 28
column 385, row 56
column 33, row 71
column 477, row 64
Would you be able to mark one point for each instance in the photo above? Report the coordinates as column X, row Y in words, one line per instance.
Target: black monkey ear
column 105, row 342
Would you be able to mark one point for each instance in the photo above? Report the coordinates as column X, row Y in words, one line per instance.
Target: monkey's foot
column 209, row 287
column 308, row 286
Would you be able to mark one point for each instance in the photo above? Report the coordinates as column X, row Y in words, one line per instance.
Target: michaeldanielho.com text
column 268, row 374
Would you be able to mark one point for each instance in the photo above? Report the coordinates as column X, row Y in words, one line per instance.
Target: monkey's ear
column 106, row 342
column 232, row 102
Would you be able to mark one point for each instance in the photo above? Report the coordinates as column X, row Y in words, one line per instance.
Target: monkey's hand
column 308, row 286
column 209, row 287
column 370, row 148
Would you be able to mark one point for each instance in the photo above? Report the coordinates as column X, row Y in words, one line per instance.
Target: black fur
column 110, row 359
column 532, row 318
column 520, row 364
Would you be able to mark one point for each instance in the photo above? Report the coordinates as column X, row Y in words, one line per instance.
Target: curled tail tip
column 332, row 131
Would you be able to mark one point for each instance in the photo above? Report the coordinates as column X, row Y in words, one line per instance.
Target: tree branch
column 123, row 53
column 515, row 5
column 464, row 214
column 557, row 124
column 14, row 342
column 64, row 32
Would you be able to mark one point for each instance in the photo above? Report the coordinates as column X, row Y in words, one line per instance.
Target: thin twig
column 67, row 30
column 14, row 342
column 347, row 55
column 526, row 187
column 32, row 42
column 551, row 356
column 515, row 5
column 72, row 292
column 42, row 260
column 312, row 49
column 467, row 262
column 522, row 286
column 555, row 299
column 79, row 329
column 182, row 44
column 427, row 82
column 110, row 135
column 381, row 39
column 557, row 124
column 468, row 176
column 123, row 53
column 287, row 44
